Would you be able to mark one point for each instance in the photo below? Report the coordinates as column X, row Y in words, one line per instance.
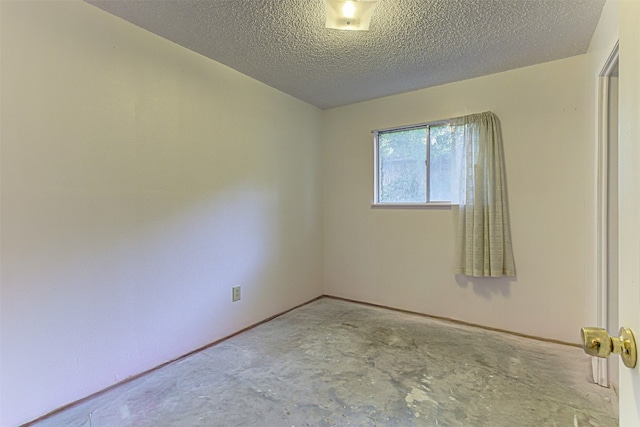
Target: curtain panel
column 483, row 237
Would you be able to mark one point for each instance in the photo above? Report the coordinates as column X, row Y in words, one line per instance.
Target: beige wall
column 140, row 182
column 403, row 258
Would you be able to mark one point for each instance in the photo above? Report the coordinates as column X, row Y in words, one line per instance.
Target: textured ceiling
column 412, row 44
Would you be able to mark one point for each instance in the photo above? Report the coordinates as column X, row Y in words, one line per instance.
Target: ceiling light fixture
column 349, row 14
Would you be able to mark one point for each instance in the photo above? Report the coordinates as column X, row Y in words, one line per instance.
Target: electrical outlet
column 235, row 293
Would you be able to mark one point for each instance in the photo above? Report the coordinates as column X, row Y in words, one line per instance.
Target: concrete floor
column 335, row 363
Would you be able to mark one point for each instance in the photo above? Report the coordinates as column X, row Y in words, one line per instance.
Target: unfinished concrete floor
column 335, row 363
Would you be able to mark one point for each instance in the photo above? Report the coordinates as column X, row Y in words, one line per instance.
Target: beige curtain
column 483, row 238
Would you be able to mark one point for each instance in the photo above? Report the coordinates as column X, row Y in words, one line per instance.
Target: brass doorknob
column 597, row 342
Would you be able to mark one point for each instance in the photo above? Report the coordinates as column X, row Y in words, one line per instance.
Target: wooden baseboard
column 148, row 371
column 457, row 322
column 136, row 376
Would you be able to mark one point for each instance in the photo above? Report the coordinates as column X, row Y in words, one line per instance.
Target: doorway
column 605, row 371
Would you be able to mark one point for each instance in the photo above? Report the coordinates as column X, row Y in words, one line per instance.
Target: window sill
column 432, row 205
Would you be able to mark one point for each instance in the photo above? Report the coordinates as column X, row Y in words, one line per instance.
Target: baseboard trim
column 148, row 371
column 455, row 321
column 199, row 349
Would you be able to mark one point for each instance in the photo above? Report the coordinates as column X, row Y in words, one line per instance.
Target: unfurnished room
column 319, row 213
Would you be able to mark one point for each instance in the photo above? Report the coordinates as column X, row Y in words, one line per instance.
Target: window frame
column 376, row 168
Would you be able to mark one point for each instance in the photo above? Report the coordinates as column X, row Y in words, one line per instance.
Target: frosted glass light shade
column 349, row 14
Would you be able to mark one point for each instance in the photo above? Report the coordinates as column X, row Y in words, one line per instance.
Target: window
column 413, row 165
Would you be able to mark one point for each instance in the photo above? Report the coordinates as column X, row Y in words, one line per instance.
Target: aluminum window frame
column 376, row 168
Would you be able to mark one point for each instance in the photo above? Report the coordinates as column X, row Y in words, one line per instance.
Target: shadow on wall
column 487, row 287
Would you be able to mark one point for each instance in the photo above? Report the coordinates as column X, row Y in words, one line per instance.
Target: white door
column 629, row 201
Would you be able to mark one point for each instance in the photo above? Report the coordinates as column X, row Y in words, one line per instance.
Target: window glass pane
column 402, row 175
column 440, row 143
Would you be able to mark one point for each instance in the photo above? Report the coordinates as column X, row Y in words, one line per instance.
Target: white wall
column 403, row 258
column 140, row 182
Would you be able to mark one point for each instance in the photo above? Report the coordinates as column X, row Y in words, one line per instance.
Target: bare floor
column 335, row 363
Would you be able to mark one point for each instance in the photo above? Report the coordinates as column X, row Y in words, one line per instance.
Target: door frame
column 600, row 366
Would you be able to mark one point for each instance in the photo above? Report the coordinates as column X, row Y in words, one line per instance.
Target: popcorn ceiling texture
column 412, row 44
